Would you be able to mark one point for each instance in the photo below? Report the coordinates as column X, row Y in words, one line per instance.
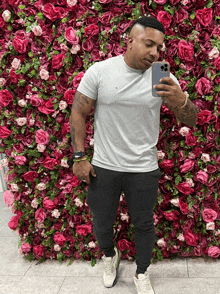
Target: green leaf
column 40, row 15
column 21, row 6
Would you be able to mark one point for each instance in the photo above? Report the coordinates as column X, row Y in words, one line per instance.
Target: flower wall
column 46, row 47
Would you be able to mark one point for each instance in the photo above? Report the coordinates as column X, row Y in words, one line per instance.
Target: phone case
column 160, row 69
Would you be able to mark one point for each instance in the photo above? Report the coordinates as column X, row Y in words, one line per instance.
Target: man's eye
column 151, row 45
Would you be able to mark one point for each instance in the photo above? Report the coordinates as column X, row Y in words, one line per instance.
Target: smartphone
column 160, row 69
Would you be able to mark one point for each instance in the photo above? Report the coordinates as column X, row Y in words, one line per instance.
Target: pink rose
column 203, row 86
column 105, row 1
column 35, row 100
column 83, row 230
column 91, row 30
column 51, row 12
column 57, row 60
column 5, row 98
column 48, row 203
column 160, row 2
column 165, row 18
column 187, row 166
column 183, row 206
column 30, row 176
column 77, row 79
column 38, row 251
column 204, row 16
column 9, row 198
column 16, row 63
column 42, row 137
column 186, row 52
column 70, row 36
column 69, row 96
column 25, row 247
column 4, row 132
column 202, row 177
column 214, row 251
column 59, row 239
column 209, row 215
column 40, row 215
column 20, row 160
column 190, row 238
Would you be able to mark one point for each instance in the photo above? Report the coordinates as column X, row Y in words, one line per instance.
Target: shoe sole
column 116, row 278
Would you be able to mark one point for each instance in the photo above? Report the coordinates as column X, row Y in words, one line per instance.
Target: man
column 127, row 119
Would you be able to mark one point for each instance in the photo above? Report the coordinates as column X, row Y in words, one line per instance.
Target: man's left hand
column 172, row 92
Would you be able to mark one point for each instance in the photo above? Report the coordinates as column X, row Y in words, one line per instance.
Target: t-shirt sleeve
column 89, row 83
column 175, row 79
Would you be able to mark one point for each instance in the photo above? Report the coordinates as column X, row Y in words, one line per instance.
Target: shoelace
column 108, row 266
column 144, row 285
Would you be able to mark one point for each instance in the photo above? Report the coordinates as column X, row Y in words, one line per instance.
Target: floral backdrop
column 45, row 48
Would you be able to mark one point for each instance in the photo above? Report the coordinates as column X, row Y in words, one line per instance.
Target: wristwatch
column 76, row 155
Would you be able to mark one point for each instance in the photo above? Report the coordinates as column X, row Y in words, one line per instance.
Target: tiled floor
column 19, row 276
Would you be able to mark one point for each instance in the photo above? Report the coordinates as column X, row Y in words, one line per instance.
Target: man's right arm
column 82, row 106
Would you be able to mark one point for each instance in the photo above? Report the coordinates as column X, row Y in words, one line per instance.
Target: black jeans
column 140, row 191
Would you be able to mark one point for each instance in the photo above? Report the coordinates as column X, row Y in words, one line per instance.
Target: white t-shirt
column 126, row 115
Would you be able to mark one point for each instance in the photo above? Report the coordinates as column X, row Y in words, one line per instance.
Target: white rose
column 71, row 2
column 41, row 148
column 161, row 242
column 205, row 157
column 2, row 82
column 6, row 15
column 16, row 63
column 75, row 49
column 37, row 30
column 21, row 121
column 44, row 74
column 62, row 105
column 22, row 103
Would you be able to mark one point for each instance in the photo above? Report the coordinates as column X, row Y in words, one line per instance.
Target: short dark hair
column 148, row 21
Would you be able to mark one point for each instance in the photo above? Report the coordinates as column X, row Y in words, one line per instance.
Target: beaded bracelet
column 80, row 159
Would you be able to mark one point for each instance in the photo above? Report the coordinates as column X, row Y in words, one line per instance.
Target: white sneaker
column 143, row 284
column 111, row 266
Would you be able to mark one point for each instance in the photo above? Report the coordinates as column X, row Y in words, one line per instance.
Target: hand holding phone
column 160, row 69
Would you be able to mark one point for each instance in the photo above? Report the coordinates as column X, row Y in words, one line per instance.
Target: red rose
column 88, row 45
column 186, row 52
column 4, row 132
column 30, row 176
column 70, row 36
column 13, row 224
column 191, row 140
column 57, row 60
column 209, row 215
column 217, row 65
column 47, row 107
column 91, row 30
column 5, row 98
column 165, row 18
column 38, row 251
column 59, row 238
column 204, row 16
column 50, row 163
column 48, row 203
column 2, row 22
column 183, row 206
column 83, row 230
column 172, row 215
column 20, row 45
column 42, row 137
column 160, row 2
column 204, row 117
column 123, row 245
column 190, row 238
column 14, row 77
column 184, row 188
column 51, row 12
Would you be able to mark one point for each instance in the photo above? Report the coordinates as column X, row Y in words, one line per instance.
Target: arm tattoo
column 79, row 101
column 187, row 114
